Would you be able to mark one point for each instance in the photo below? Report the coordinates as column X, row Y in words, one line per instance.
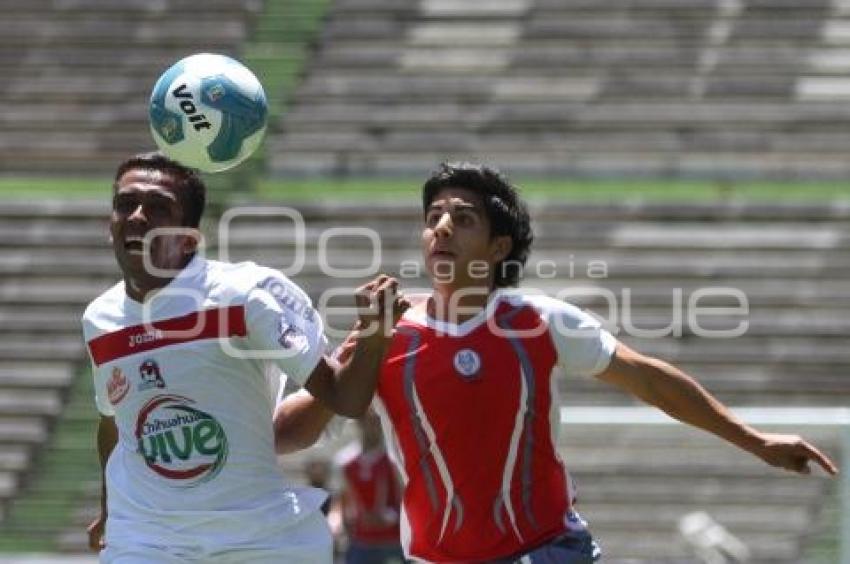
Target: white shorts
column 307, row 541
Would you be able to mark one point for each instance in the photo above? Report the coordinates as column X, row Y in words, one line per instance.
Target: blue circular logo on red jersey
column 467, row 363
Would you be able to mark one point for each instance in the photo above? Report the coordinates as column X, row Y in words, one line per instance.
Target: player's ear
column 500, row 248
column 191, row 240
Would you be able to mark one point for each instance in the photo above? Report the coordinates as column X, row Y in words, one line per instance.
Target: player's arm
column 300, row 418
column 347, row 390
column 299, row 421
column 344, row 388
column 680, row 396
column 107, row 438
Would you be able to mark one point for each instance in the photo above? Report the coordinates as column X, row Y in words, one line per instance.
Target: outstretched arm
column 680, row 396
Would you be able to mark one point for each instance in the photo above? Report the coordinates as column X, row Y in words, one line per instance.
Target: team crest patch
column 290, row 337
column 467, row 363
column 150, row 375
column 117, row 386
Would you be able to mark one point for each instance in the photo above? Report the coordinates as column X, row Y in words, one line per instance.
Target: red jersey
column 471, row 417
column 371, row 499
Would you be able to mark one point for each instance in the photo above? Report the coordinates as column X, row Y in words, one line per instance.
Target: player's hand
column 95, row 532
column 380, row 305
column 793, row 453
column 346, row 349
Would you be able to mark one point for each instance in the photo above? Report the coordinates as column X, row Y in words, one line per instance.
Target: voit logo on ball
column 180, row 442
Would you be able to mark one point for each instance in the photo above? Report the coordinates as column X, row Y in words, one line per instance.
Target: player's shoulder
column 108, row 304
column 244, row 277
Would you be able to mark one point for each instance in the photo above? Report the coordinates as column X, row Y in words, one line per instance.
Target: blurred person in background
column 370, row 498
column 468, row 399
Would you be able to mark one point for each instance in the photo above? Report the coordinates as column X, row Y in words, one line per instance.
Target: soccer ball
column 208, row 112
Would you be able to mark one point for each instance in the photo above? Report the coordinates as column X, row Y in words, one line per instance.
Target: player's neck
column 142, row 287
column 142, row 290
column 456, row 305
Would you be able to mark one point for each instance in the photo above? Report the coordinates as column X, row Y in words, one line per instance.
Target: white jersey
column 191, row 377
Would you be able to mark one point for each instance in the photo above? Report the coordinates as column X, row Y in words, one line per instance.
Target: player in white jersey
column 187, row 355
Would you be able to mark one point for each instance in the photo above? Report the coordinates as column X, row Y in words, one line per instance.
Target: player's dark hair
column 189, row 186
column 507, row 213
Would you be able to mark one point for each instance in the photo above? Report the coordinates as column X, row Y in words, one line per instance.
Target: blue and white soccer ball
column 208, row 112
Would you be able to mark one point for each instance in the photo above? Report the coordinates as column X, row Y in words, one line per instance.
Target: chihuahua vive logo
column 180, row 442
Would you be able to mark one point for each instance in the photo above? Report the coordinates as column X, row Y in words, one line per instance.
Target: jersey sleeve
column 101, row 395
column 584, row 347
column 284, row 327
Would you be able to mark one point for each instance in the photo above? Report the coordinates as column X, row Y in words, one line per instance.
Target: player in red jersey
column 468, row 400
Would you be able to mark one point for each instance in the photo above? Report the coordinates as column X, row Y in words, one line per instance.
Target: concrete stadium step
column 590, row 212
column 746, row 384
column 22, row 430
column 50, row 319
column 470, row 141
column 63, row 7
column 51, row 155
column 45, row 60
column 706, row 268
column 668, row 548
column 577, row 238
column 8, row 484
column 729, row 114
column 595, row 293
column 762, row 350
column 69, row 114
column 676, row 459
column 45, row 210
column 646, row 489
column 633, row 438
column 751, row 165
column 36, row 375
column 30, row 402
column 551, row 24
column 664, row 516
column 99, row 29
column 361, row 6
column 55, row 348
column 81, row 162
column 14, row 458
column 85, row 89
column 92, row 264
column 46, row 234
column 592, row 164
column 534, row 53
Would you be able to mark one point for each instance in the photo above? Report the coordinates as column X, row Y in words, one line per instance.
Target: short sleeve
column 284, row 327
column 101, row 392
column 584, row 347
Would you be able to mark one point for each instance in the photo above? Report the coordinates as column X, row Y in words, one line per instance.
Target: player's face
column 145, row 200
column 456, row 240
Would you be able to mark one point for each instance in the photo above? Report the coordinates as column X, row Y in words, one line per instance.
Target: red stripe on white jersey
column 200, row 325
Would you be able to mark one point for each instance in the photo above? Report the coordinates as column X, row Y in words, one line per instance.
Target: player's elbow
column 287, row 443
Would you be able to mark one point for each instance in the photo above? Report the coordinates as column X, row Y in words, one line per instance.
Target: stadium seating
column 77, row 74
column 651, row 88
column 634, row 482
